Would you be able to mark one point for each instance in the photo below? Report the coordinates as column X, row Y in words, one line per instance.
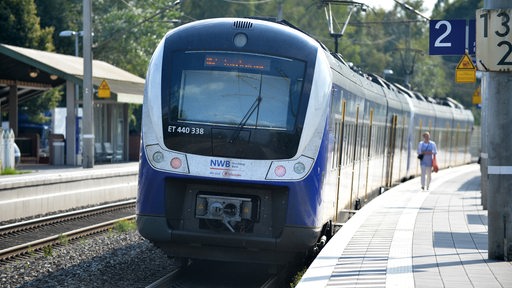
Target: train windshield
column 231, row 102
column 248, row 100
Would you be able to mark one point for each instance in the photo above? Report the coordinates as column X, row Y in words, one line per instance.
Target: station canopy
column 35, row 71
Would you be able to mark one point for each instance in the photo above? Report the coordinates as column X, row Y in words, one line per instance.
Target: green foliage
column 20, row 25
column 8, row 171
column 135, row 112
column 11, row 171
column 125, row 226
column 37, row 106
column 127, row 32
column 63, row 239
column 48, row 251
column 60, row 15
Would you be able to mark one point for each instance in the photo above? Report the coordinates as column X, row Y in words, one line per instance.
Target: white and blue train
column 256, row 139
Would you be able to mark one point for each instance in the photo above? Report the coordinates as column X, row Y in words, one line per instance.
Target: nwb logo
column 220, row 163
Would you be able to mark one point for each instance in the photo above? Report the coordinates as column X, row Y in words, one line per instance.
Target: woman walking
column 427, row 151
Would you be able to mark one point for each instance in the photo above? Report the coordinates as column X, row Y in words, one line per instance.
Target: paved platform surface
column 412, row 238
column 45, row 173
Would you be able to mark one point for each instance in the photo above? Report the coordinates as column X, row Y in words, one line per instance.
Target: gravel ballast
column 113, row 259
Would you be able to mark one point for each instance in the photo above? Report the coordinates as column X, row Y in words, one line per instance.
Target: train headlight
column 299, row 168
column 280, row 171
column 158, row 157
column 291, row 169
column 166, row 160
column 176, row 163
column 240, row 40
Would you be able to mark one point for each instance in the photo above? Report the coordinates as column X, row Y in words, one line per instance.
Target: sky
column 388, row 4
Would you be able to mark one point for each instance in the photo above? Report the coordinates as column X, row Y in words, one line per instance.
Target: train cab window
column 256, row 101
column 233, row 101
column 234, row 89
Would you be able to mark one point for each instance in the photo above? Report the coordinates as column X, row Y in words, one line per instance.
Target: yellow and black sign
column 477, row 96
column 465, row 71
column 104, row 90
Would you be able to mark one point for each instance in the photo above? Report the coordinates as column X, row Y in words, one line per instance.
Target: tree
column 127, row 32
column 20, row 26
column 60, row 15
column 36, row 107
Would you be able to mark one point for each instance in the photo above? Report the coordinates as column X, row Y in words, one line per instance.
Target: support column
column 70, row 124
column 88, row 119
column 500, row 165
column 497, row 91
column 13, row 108
column 126, row 132
column 484, row 156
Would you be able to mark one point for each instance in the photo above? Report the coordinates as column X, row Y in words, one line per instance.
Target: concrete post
column 497, row 91
column 13, row 108
column 484, row 156
column 71, row 124
column 88, row 117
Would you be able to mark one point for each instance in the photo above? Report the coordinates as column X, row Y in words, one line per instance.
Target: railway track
column 20, row 238
column 24, row 238
column 224, row 274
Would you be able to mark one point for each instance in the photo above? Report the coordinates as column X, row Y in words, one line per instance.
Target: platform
column 412, row 238
column 47, row 189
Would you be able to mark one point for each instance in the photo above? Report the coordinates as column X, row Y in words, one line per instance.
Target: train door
column 457, row 145
column 368, row 156
column 449, row 146
column 391, row 150
column 467, row 144
column 340, row 129
column 419, row 138
column 402, row 150
column 354, row 158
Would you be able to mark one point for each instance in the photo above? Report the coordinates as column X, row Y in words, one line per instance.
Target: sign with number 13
column 494, row 39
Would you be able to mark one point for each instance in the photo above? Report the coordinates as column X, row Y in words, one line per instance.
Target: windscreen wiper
column 255, row 105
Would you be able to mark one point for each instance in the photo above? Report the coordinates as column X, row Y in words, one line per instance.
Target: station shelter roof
column 51, row 69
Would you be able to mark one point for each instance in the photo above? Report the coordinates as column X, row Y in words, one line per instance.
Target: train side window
column 346, row 143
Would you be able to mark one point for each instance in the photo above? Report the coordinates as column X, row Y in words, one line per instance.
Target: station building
column 27, row 73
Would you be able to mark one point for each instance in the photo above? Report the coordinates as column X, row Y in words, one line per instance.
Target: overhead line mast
column 328, row 14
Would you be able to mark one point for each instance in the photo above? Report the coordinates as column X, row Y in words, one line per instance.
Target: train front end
column 230, row 166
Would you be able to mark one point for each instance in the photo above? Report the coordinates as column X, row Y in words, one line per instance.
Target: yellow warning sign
column 477, row 96
column 465, row 71
column 104, row 90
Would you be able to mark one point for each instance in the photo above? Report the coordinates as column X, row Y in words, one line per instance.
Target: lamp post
column 69, row 33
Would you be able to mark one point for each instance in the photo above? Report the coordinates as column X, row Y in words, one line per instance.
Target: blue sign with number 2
column 447, row 37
